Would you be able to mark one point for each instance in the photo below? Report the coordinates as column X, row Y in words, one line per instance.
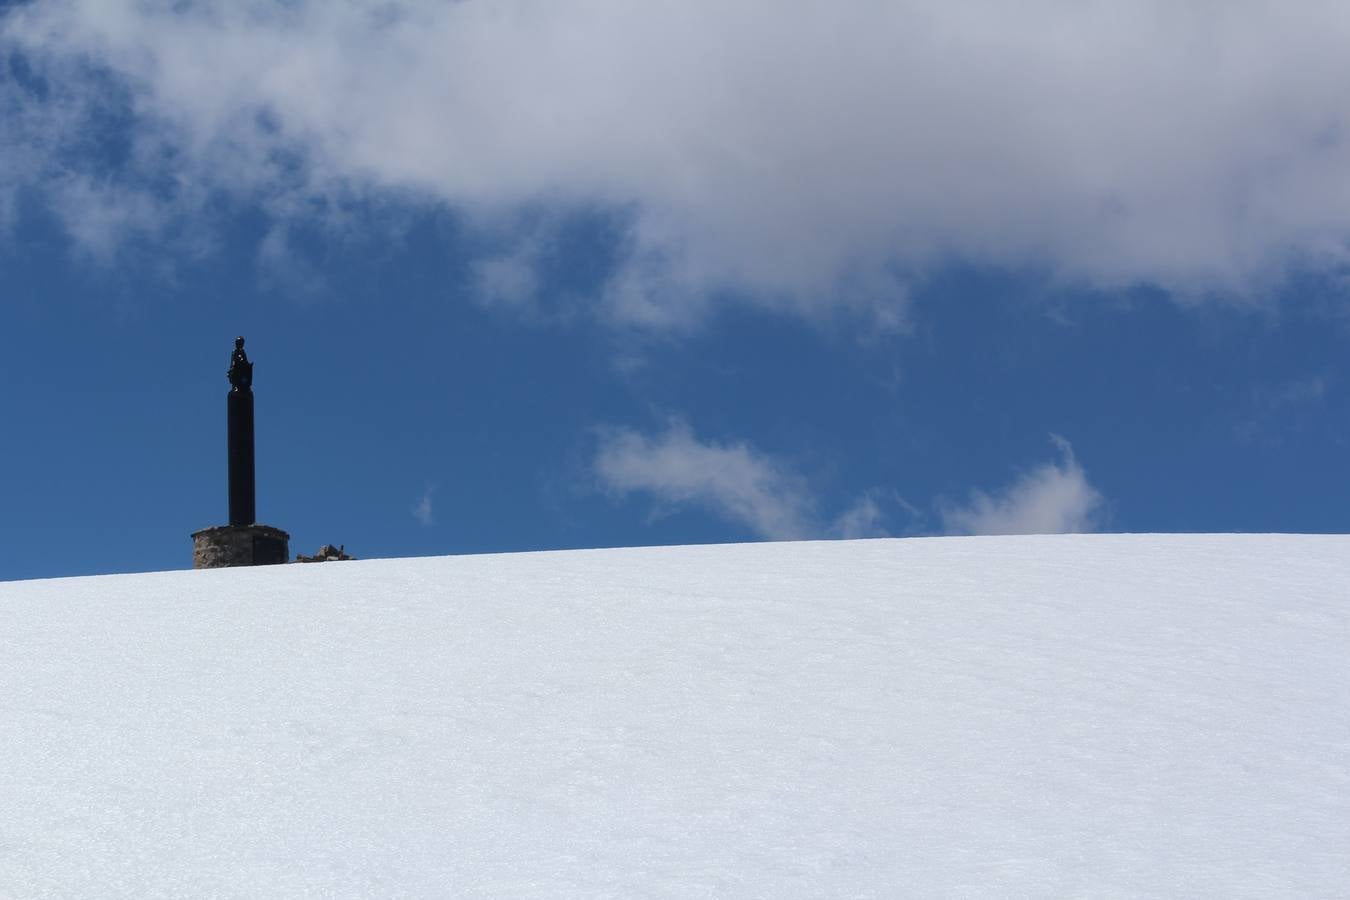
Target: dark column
column 241, row 437
column 241, row 457
column 243, row 542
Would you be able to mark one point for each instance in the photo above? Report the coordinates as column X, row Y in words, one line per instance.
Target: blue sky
column 521, row 275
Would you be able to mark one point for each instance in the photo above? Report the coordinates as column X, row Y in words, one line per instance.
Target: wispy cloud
column 422, row 509
column 1273, row 410
column 864, row 519
column 509, row 280
column 853, row 147
column 1054, row 498
column 740, row 484
column 732, row 480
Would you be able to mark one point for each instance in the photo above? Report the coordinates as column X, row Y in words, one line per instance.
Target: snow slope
column 1064, row 716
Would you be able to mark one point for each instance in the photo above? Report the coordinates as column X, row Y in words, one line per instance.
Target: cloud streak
column 1054, row 498
column 740, row 484
column 733, row 481
column 422, row 510
column 810, row 160
column 743, row 485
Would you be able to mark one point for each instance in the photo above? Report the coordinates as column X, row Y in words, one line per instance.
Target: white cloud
column 733, row 481
column 741, row 484
column 806, row 157
column 864, row 519
column 508, row 280
column 422, row 509
column 1054, row 498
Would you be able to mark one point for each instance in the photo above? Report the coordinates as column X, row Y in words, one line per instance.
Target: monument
column 243, row 542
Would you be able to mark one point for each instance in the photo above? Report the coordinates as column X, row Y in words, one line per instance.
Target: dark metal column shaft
column 241, row 457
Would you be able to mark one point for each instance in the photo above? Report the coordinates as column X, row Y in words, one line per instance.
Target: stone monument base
column 239, row 545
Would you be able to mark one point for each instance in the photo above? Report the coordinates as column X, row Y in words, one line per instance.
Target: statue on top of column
column 241, row 370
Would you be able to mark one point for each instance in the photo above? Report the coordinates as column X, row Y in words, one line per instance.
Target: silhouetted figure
column 241, row 370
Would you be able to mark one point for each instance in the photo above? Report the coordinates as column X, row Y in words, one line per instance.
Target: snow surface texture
column 1073, row 716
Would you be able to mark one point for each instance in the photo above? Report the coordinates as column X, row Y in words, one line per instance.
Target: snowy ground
column 1075, row 716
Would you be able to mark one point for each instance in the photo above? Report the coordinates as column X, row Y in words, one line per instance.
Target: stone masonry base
column 239, row 545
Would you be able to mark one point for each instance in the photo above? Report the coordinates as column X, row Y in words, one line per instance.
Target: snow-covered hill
column 1075, row 716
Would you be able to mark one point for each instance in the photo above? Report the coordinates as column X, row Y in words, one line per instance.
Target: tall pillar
column 243, row 542
column 240, row 434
